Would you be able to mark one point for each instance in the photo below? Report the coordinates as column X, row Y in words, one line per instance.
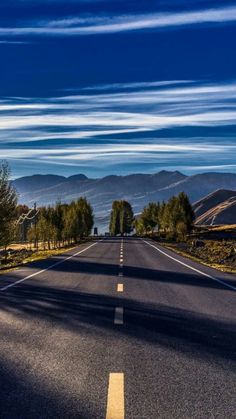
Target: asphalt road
column 113, row 330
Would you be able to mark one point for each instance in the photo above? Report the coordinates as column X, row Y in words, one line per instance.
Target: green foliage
column 8, row 202
column 121, row 219
column 63, row 223
column 174, row 218
column 149, row 219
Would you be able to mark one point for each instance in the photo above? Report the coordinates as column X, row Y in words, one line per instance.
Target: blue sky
column 103, row 87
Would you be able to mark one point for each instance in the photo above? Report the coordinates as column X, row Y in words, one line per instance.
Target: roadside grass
column 213, row 254
column 25, row 255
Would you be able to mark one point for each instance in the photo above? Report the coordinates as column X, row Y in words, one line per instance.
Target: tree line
column 62, row 224
column 53, row 226
column 173, row 219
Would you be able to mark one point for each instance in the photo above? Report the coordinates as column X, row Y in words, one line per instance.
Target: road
column 117, row 328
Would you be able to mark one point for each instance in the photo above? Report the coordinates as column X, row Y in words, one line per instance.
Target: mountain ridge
column 138, row 188
column 216, row 208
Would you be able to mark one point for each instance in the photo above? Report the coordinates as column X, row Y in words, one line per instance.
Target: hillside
column 139, row 189
column 216, row 208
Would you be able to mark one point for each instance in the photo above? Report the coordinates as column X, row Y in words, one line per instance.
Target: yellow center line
column 120, row 287
column 115, row 396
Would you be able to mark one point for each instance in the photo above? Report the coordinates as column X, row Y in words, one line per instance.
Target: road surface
column 117, row 329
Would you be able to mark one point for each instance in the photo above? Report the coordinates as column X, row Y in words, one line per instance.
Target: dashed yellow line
column 115, row 396
column 120, row 287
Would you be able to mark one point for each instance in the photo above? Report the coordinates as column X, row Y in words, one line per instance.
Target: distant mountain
column 37, row 182
column 77, row 177
column 216, row 208
column 139, row 189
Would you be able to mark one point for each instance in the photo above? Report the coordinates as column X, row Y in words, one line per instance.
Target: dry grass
column 226, row 227
column 24, row 256
column 28, row 246
column 220, row 255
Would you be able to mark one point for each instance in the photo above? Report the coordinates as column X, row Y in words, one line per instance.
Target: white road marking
column 119, row 312
column 46, row 269
column 115, row 396
column 120, row 274
column 193, row 269
column 121, row 260
column 120, row 287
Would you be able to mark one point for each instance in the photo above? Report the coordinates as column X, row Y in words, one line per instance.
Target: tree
column 21, row 226
column 149, row 218
column 174, row 217
column 58, row 222
column 181, row 231
column 74, row 222
column 77, row 220
column 8, row 202
column 126, row 217
column 186, row 213
column 45, row 226
column 85, row 212
column 121, row 218
column 115, row 218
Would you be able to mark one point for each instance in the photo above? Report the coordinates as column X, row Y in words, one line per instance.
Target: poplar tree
column 121, row 218
column 8, row 203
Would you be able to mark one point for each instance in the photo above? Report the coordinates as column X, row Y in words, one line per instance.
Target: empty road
column 118, row 328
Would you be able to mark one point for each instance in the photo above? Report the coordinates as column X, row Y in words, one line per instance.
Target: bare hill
column 216, row 208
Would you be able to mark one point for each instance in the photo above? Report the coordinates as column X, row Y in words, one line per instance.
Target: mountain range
column 138, row 189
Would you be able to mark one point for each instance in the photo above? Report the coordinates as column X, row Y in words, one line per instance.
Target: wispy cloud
column 163, row 106
column 99, row 127
column 140, row 85
column 13, row 42
column 89, row 25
